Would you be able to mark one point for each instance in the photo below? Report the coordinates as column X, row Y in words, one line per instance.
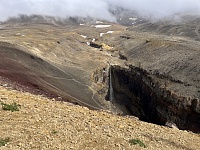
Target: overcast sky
column 93, row 8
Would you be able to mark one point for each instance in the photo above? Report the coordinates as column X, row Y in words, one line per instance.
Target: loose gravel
column 43, row 123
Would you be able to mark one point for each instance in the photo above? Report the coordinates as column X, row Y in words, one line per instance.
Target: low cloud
column 57, row 8
column 94, row 8
column 158, row 8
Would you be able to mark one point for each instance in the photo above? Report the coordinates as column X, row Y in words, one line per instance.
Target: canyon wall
column 151, row 101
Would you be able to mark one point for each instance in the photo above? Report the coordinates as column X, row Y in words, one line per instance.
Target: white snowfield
column 83, row 36
column 134, row 19
column 88, row 43
column 101, row 34
column 102, row 26
column 109, row 32
column 98, row 22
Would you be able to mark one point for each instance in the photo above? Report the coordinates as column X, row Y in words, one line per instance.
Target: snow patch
column 110, row 32
column 102, row 26
column 82, row 24
column 134, row 19
column 101, row 34
column 98, row 22
column 83, row 36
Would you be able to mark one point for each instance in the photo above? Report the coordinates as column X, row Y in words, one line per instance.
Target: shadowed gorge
column 145, row 97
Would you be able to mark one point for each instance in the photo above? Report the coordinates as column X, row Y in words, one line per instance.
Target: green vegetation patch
column 54, row 132
column 3, row 142
column 137, row 142
column 10, row 107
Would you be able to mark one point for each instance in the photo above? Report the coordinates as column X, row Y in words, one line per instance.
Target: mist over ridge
column 94, row 8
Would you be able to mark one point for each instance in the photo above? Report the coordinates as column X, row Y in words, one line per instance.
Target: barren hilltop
column 89, row 84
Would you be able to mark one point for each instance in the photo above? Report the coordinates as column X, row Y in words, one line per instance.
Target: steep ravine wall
column 151, row 101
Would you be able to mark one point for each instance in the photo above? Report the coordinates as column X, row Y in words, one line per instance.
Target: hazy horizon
column 94, row 8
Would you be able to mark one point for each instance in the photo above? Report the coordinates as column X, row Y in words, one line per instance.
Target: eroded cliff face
column 147, row 98
column 100, row 83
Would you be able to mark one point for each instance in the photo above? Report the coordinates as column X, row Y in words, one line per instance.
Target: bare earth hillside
column 42, row 123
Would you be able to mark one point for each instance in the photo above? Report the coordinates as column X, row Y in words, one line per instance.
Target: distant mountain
column 39, row 19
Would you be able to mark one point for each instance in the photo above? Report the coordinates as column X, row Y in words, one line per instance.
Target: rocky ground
column 43, row 123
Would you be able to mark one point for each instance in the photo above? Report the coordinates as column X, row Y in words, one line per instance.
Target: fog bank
column 94, row 8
